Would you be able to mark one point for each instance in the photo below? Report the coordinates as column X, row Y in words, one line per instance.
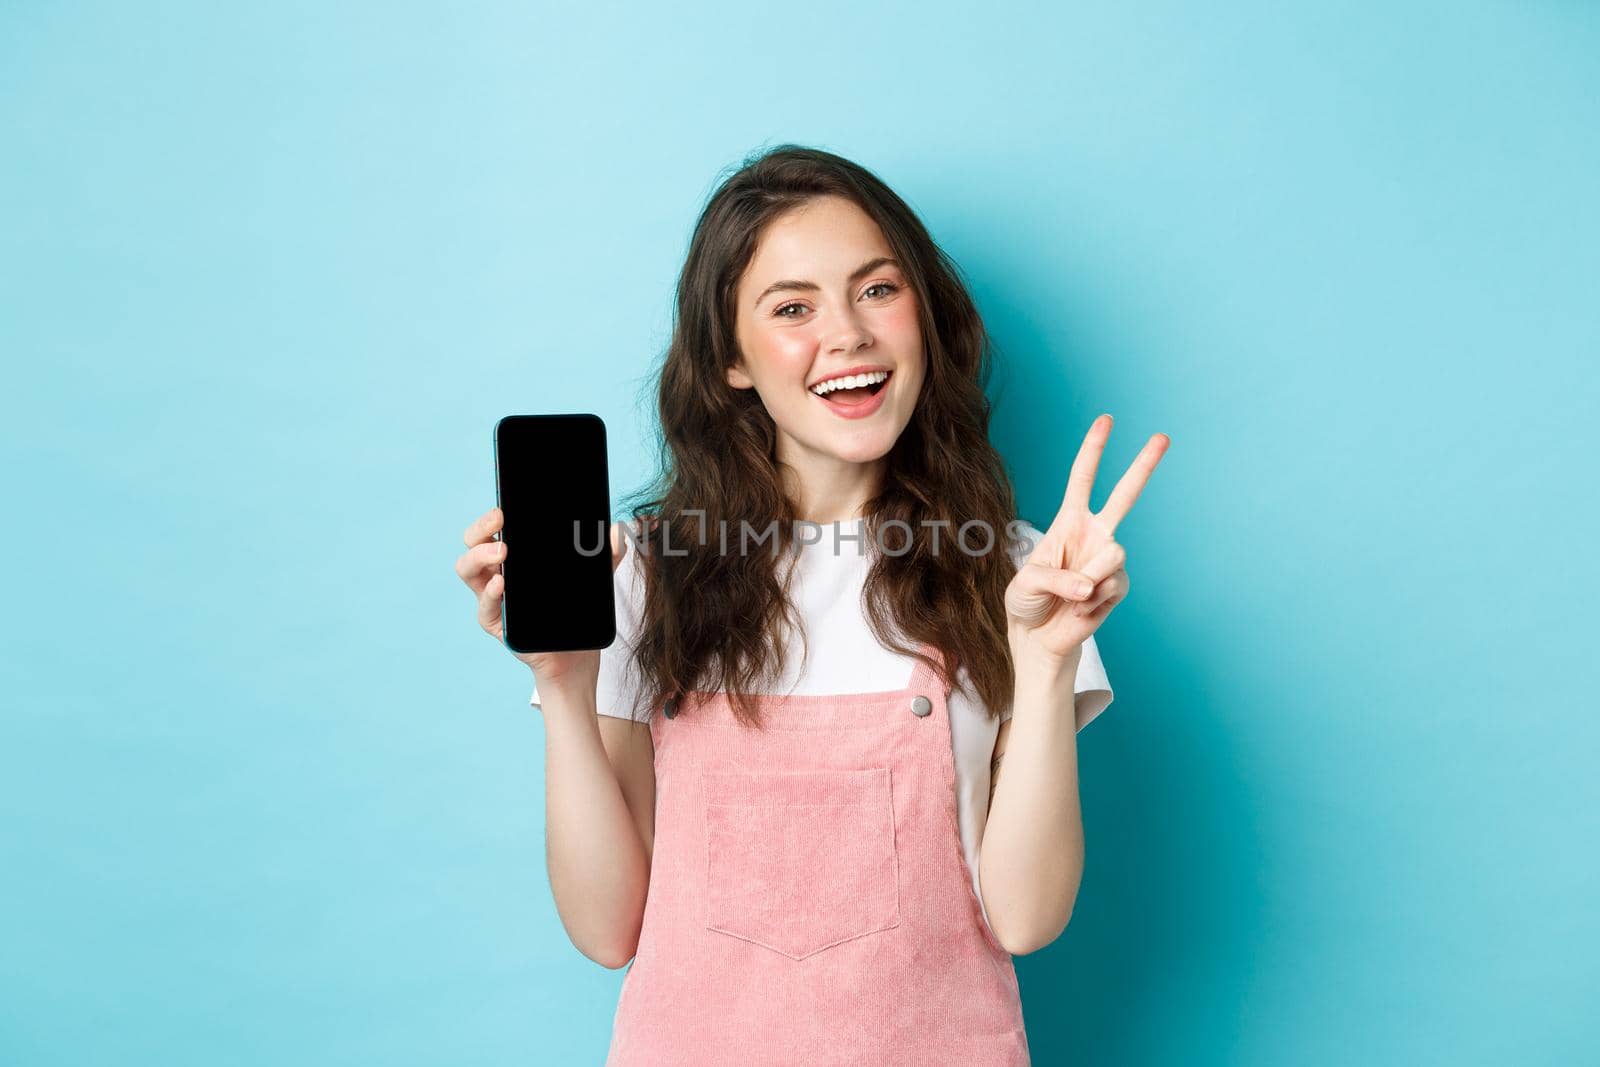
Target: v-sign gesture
column 1076, row 574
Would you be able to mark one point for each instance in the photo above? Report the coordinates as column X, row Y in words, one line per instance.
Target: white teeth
column 854, row 381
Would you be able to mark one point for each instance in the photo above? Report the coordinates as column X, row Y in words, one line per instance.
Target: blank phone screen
column 552, row 487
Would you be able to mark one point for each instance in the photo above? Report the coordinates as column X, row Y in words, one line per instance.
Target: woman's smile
column 854, row 396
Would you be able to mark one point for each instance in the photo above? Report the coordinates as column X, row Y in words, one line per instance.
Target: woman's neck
column 839, row 494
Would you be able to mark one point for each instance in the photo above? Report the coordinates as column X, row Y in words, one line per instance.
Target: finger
column 489, row 604
column 1105, row 562
column 483, row 526
column 1131, row 484
column 1081, row 481
column 481, row 557
column 1068, row 585
column 1099, row 615
column 1037, row 592
column 1112, row 590
column 1093, row 603
column 475, row 563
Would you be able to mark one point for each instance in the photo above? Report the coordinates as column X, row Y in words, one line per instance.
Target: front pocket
column 801, row 861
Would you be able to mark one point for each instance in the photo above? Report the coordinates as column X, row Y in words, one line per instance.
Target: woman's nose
column 849, row 335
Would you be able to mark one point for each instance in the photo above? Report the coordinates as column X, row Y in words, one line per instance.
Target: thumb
column 1037, row 590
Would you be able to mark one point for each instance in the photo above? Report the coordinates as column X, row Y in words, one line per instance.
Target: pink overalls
column 809, row 901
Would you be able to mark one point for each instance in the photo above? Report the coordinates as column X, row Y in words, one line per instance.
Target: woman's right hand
column 479, row 567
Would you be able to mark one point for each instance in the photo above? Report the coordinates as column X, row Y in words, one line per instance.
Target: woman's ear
column 738, row 378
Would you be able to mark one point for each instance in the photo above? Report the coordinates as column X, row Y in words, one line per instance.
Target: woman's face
column 818, row 300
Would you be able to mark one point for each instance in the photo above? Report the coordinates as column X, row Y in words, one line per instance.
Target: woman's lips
column 861, row 409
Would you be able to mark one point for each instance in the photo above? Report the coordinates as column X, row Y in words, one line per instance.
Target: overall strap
column 923, row 677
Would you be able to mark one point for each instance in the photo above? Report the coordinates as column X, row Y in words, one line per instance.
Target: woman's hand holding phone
column 479, row 567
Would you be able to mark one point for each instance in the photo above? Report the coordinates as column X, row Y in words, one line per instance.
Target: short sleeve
column 617, row 690
column 1091, row 688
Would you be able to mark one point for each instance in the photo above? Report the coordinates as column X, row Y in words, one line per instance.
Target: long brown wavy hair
column 718, row 620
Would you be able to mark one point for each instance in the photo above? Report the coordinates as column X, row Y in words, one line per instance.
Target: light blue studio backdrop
column 269, row 796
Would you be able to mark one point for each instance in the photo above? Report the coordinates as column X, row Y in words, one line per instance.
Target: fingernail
column 1082, row 588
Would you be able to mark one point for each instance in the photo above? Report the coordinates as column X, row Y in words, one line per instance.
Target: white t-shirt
column 846, row 657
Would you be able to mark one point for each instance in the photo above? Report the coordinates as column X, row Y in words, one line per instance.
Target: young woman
column 779, row 792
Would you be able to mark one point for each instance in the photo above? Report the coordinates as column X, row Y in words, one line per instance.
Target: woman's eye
column 778, row 312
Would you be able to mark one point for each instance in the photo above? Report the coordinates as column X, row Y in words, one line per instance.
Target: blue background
column 269, row 796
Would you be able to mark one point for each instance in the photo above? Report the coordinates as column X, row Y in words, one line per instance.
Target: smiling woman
column 803, row 738
column 828, row 368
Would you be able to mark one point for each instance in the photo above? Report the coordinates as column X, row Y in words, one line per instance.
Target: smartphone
column 554, row 493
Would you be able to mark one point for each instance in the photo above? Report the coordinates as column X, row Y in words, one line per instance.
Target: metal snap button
column 921, row 706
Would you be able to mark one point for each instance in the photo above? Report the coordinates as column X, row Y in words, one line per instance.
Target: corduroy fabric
column 809, row 899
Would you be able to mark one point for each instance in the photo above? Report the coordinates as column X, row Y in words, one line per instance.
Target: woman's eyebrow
column 866, row 268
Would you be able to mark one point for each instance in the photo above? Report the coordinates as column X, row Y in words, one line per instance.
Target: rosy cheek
column 790, row 353
column 778, row 359
column 901, row 317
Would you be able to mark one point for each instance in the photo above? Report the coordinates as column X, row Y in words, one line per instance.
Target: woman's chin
column 868, row 449
column 865, row 443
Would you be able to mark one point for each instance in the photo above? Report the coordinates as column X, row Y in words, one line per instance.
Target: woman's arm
column 599, row 821
column 1031, row 857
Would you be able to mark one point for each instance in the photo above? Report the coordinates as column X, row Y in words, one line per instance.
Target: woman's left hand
column 1076, row 573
